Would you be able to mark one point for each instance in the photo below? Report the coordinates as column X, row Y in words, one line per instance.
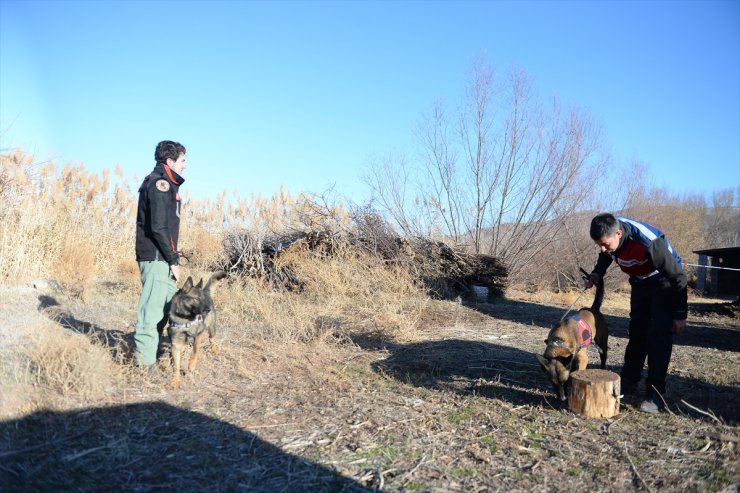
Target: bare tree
column 497, row 174
column 440, row 187
column 389, row 178
column 723, row 223
column 510, row 169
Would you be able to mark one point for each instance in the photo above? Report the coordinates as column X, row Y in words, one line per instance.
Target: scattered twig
column 607, row 426
column 634, row 469
column 548, row 403
column 702, row 412
column 41, row 445
column 230, row 389
column 71, row 457
column 520, row 363
column 706, row 447
column 407, row 476
column 721, row 437
column 489, row 368
column 665, row 404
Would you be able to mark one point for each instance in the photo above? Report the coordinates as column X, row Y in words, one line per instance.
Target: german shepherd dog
column 566, row 343
column 192, row 314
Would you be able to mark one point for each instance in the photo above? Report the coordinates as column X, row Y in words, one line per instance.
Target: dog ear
column 188, row 285
column 200, row 284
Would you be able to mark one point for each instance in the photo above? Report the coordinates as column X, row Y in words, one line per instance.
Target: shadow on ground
column 117, row 341
column 513, row 375
column 466, row 366
column 706, row 333
column 147, row 447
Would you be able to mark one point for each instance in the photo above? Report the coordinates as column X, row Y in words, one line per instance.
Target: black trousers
column 650, row 334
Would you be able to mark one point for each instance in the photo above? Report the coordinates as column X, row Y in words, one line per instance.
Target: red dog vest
column 584, row 331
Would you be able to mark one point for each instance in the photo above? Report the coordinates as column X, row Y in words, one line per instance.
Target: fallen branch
column 702, row 412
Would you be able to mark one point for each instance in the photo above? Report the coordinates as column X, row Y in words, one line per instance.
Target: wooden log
column 594, row 393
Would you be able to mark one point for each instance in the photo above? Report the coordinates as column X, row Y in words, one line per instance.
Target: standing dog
column 192, row 314
column 567, row 342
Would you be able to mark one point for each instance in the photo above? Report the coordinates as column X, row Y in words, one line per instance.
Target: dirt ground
column 464, row 407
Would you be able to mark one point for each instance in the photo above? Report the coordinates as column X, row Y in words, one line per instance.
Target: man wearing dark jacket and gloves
column 157, row 230
column 658, row 302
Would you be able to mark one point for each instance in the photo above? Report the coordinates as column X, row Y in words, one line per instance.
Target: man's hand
column 590, row 280
column 678, row 326
column 175, row 269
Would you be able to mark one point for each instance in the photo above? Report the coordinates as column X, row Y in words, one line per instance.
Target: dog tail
column 213, row 281
column 596, row 306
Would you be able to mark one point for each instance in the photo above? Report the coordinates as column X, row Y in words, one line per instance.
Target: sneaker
column 652, row 405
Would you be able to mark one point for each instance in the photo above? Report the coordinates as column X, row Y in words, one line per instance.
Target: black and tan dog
column 567, row 342
column 192, row 315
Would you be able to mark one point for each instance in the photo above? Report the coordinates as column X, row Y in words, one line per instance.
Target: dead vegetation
column 443, row 271
column 457, row 405
column 357, row 381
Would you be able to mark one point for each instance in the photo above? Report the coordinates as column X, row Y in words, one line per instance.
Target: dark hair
column 603, row 225
column 168, row 150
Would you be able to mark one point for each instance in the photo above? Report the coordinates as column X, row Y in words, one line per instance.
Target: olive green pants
column 157, row 289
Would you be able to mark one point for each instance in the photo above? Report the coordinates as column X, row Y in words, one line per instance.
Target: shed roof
column 719, row 252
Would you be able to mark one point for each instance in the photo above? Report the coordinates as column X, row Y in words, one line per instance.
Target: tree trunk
column 594, row 393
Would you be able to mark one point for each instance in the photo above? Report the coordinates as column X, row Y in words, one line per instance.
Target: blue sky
column 303, row 93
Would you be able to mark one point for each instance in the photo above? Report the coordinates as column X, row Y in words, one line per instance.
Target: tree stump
column 594, row 393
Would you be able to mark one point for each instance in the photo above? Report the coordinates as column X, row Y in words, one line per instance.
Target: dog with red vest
column 567, row 343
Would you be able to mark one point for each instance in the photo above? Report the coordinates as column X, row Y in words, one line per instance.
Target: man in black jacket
column 658, row 302
column 157, row 231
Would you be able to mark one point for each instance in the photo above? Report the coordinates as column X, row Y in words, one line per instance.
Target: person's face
column 179, row 165
column 607, row 244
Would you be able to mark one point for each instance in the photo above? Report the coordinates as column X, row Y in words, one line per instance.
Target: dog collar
column 584, row 331
column 186, row 325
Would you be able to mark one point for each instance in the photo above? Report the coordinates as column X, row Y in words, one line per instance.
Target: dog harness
column 584, row 338
column 584, row 330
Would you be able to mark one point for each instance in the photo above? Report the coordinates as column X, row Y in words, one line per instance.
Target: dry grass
column 358, row 383
column 68, row 364
column 460, row 407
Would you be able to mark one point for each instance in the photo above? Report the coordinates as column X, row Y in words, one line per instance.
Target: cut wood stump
column 594, row 393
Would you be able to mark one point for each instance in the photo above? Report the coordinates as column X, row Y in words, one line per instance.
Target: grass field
column 451, row 399
column 359, row 382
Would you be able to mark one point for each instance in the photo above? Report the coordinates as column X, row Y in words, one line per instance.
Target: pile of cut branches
column 444, row 271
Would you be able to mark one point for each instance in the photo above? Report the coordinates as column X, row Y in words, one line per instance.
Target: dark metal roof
column 719, row 252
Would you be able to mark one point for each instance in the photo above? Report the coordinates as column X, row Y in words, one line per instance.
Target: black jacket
column 158, row 216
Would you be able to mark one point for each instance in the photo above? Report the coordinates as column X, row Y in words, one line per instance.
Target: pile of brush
column 444, row 271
